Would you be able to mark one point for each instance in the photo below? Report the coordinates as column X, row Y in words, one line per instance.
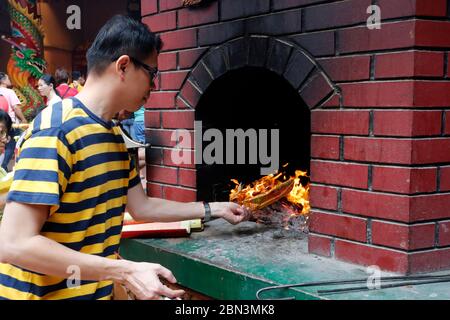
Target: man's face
column 6, row 82
column 140, row 83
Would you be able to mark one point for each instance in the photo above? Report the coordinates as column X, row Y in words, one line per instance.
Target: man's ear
column 122, row 64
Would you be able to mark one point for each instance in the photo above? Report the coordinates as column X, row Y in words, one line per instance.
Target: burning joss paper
column 270, row 193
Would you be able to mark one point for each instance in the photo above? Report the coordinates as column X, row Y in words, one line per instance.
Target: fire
column 260, row 194
column 299, row 194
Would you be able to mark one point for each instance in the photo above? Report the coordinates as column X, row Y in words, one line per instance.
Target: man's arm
column 21, row 244
column 19, row 113
column 146, row 209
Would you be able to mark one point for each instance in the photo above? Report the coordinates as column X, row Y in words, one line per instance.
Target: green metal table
column 234, row 262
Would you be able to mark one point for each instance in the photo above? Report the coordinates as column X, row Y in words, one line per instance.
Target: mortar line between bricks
column 343, row 215
column 396, row 79
column 401, row 138
column 381, row 109
column 307, row 79
column 197, row 38
column 333, row 28
column 334, row 238
column 436, row 235
column 260, row 15
column 448, row 8
column 305, row 6
column 399, row 80
column 371, row 123
column 332, row 247
column 336, row 43
column 219, row 11
column 377, row 219
column 285, row 34
column 327, row 97
column 325, row 56
column 391, row 193
column 165, row 184
column 386, row 164
column 445, row 64
column 403, row 224
column 443, row 120
column 438, row 179
column 372, row 67
column 302, row 20
column 363, row 24
column 375, row 53
column 390, row 50
column 398, row 250
column 369, row 231
column 368, row 108
column 339, row 201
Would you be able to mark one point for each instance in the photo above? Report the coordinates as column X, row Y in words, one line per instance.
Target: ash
column 283, row 220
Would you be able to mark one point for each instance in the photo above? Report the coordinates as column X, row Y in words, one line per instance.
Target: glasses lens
column 152, row 72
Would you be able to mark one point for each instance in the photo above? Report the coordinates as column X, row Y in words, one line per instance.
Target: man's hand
column 144, row 283
column 230, row 211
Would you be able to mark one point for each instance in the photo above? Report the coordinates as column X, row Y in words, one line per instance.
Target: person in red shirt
column 62, row 82
column 4, row 104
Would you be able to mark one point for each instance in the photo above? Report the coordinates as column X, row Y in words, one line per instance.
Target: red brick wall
column 380, row 157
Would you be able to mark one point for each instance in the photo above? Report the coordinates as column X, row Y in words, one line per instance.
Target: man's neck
column 97, row 97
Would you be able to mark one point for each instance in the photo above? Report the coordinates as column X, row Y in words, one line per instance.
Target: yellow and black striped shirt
column 78, row 165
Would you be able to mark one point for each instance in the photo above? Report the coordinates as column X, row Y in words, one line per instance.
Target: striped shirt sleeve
column 134, row 178
column 43, row 169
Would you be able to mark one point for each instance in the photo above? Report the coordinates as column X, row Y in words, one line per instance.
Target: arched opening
column 252, row 98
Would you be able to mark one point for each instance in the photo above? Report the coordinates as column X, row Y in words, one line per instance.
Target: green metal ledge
column 233, row 262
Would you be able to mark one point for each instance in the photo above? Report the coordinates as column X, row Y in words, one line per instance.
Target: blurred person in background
column 46, row 87
column 77, row 81
column 15, row 113
column 62, row 82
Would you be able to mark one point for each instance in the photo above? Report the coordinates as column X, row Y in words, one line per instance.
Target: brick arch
column 283, row 57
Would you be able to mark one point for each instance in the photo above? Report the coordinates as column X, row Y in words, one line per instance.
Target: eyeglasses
column 152, row 71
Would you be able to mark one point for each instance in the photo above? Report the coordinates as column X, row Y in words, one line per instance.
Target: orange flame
column 299, row 194
column 271, row 188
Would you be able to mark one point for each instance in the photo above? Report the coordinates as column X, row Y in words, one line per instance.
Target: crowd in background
column 53, row 89
column 12, row 120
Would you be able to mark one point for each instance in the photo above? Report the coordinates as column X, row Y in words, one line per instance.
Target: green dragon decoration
column 26, row 64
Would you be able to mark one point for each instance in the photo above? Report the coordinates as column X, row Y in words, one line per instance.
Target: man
column 14, row 112
column 77, row 81
column 62, row 82
column 74, row 178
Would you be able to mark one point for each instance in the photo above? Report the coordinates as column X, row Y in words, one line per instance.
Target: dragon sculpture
column 26, row 64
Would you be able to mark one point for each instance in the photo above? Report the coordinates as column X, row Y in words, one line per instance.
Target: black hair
column 61, row 76
column 76, row 75
column 121, row 35
column 2, row 76
column 6, row 119
column 48, row 79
